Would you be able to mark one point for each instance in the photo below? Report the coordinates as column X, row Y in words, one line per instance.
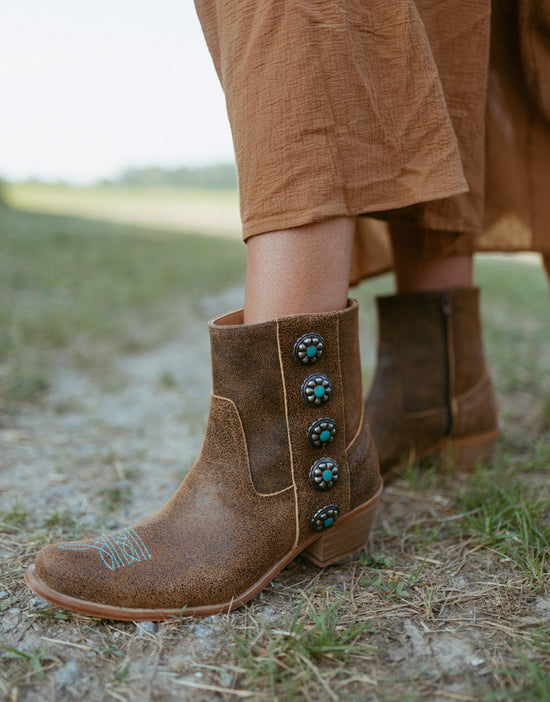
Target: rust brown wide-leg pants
column 436, row 113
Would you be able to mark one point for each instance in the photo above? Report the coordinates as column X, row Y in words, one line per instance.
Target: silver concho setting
column 321, row 432
column 309, row 348
column 324, row 518
column 324, row 474
column 316, row 389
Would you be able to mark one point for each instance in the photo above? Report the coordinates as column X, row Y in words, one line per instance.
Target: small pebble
column 39, row 602
column 212, row 619
column 149, row 627
column 226, row 679
column 67, row 673
column 201, row 630
column 267, row 615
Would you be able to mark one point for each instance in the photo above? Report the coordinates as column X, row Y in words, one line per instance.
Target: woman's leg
column 292, row 271
column 416, row 271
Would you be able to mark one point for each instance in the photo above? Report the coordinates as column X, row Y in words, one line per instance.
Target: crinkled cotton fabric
column 436, row 114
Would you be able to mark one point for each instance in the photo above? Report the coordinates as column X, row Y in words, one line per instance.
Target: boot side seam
column 423, row 414
column 475, row 387
column 343, row 410
column 340, row 370
column 296, row 508
column 243, row 435
column 359, row 428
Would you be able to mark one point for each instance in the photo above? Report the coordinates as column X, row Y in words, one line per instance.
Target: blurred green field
column 209, row 210
column 76, row 283
column 110, row 269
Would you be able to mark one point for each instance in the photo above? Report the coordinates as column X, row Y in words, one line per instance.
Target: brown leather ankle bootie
column 432, row 392
column 287, row 466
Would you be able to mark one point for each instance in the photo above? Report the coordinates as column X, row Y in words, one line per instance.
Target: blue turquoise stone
column 319, row 391
column 311, row 351
column 327, row 476
column 329, row 522
column 325, row 435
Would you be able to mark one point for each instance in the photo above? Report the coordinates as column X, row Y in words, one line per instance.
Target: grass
column 37, row 660
column 452, row 602
column 531, row 677
column 96, row 288
column 516, row 300
column 504, row 514
column 316, row 638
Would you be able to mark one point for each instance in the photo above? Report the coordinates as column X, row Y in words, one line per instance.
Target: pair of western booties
column 292, row 457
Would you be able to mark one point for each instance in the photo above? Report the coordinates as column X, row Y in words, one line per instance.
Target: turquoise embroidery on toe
column 117, row 550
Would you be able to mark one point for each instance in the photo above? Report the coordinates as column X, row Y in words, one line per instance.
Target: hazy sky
column 90, row 87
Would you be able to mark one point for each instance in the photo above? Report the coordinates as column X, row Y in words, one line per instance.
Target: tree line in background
column 223, row 175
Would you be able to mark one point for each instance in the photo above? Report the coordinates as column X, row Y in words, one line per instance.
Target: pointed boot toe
column 78, row 572
column 288, row 466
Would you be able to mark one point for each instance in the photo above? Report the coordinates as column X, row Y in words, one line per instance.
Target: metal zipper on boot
column 446, row 313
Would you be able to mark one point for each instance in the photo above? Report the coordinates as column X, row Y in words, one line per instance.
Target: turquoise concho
column 324, row 518
column 309, row 348
column 324, row 474
column 321, row 432
column 316, row 389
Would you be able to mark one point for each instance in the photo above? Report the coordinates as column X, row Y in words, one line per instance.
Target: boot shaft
column 296, row 384
column 432, row 385
column 437, row 337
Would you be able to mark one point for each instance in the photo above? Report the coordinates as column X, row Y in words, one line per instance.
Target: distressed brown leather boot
column 432, row 392
column 287, row 466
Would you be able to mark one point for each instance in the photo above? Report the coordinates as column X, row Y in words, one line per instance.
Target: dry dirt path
column 102, row 451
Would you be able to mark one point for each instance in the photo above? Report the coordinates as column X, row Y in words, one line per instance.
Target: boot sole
column 348, row 536
column 463, row 454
